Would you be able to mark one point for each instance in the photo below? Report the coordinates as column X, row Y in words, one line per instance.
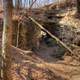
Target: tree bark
column 17, row 2
column 78, row 6
column 7, row 36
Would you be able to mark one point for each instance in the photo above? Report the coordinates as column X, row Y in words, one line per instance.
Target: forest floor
column 41, row 64
column 27, row 65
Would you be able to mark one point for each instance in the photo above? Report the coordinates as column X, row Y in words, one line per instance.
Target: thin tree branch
column 32, row 4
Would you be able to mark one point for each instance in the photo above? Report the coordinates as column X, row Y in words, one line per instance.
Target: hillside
column 48, row 59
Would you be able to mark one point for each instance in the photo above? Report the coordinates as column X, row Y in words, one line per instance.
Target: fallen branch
column 54, row 37
column 20, row 50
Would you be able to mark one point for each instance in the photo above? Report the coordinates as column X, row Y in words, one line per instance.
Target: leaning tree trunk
column 7, row 36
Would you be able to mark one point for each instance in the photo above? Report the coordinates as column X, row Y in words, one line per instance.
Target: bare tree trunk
column 78, row 6
column 17, row 4
column 7, row 36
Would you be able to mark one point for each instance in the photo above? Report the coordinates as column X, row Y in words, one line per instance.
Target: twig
column 32, row 4
column 54, row 37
